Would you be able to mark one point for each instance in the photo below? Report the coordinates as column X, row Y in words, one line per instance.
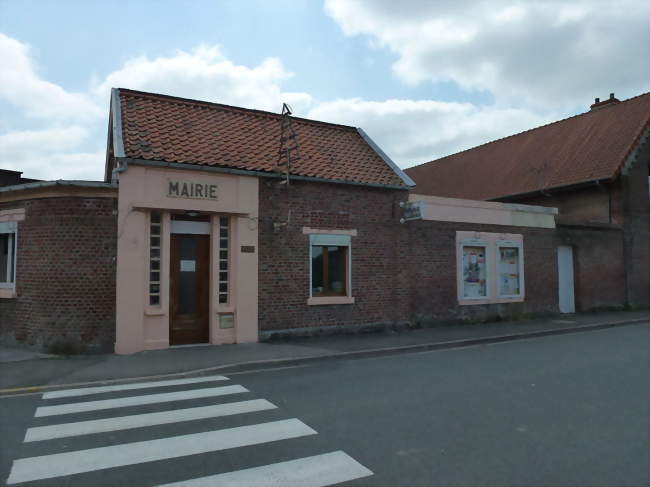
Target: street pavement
column 21, row 370
column 565, row 410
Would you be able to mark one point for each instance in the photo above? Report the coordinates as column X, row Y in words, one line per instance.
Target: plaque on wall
column 226, row 320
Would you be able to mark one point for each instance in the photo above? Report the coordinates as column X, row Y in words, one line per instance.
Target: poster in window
column 474, row 272
column 509, row 271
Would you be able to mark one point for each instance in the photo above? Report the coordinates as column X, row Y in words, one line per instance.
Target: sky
column 423, row 78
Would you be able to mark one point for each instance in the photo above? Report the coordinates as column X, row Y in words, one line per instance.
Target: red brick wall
column 65, row 275
column 433, row 281
column 599, row 266
column 400, row 272
column 284, row 256
column 593, row 204
column 636, row 207
column 609, row 228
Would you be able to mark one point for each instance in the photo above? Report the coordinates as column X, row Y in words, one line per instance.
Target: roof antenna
column 289, row 151
column 287, row 154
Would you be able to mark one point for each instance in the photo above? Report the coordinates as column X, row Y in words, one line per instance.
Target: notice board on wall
column 474, row 272
column 509, row 271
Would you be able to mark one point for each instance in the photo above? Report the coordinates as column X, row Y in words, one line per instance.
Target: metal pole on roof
column 289, row 151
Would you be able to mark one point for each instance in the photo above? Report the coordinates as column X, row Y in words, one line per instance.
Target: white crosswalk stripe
column 80, row 407
column 313, row 471
column 316, row 471
column 140, row 420
column 58, row 464
column 126, row 387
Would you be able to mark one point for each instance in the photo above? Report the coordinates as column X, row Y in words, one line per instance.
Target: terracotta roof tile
column 164, row 128
column 592, row 145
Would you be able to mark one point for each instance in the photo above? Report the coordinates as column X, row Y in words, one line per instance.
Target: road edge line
column 289, row 361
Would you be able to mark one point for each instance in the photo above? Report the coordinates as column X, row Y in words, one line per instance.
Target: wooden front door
column 189, row 289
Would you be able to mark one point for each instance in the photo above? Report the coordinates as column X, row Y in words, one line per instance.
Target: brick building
column 593, row 167
column 197, row 235
column 58, row 240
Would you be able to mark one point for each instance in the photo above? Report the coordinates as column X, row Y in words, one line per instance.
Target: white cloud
column 205, row 73
column 21, row 86
column 51, row 154
column 73, row 151
column 537, row 57
column 416, row 131
column 544, row 54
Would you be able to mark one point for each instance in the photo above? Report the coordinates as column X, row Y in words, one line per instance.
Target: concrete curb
column 294, row 361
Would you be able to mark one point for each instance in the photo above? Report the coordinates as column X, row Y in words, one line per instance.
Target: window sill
column 511, row 299
column 7, row 293
column 321, row 300
column 154, row 311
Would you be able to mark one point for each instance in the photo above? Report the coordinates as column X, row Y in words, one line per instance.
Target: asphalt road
column 569, row 410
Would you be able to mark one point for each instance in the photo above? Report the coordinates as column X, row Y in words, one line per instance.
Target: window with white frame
column 474, row 262
column 330, row 263
column 509, row 269
column 8, row 254
column 490, row 268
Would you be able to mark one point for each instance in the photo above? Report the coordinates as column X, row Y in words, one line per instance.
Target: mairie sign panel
column 188, row 189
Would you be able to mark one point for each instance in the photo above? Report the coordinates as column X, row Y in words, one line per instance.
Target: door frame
column 201, row 232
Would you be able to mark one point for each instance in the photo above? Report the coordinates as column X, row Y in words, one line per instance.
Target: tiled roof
column 164, row 128
column 593, row 145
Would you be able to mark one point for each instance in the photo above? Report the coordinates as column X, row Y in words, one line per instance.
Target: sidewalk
column 20, row 369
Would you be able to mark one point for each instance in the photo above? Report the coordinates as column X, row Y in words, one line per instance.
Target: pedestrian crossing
column 81, row 407
column 64, row 430
column 102, row 449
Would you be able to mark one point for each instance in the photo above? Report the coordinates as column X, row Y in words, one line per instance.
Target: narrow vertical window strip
column 7, row 258
column 155, row 255
column 224, row 260
column 12, row 257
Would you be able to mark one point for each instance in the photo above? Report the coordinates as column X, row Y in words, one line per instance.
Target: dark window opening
column 329, row 270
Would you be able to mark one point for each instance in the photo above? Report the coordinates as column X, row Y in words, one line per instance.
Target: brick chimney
column 599, row 104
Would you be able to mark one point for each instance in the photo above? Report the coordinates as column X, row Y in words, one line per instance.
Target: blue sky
column 423, row 78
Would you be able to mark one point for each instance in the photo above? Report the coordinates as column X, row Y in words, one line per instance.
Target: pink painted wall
column 142, row 189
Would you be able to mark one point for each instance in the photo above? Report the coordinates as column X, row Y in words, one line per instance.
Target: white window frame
column 333, row 240
column 10, row 228
column 460, row 271
column 510, row 244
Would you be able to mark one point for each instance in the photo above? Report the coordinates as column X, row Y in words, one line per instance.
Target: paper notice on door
column 188, row 265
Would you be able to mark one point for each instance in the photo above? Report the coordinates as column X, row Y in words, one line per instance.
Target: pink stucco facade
column 142, row 190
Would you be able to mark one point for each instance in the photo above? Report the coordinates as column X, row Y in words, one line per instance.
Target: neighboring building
column 198, row 236
column 593, row 167
column 10, row 178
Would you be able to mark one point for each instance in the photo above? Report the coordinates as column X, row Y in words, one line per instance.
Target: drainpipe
column 122, row 166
